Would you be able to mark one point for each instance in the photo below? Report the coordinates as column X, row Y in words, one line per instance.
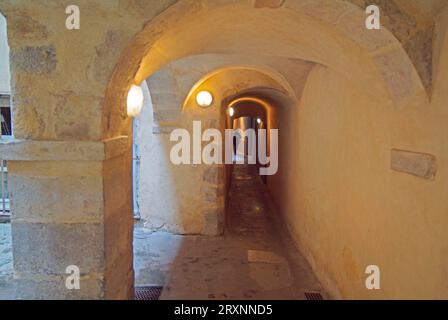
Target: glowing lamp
column 231, row 112
column 259, row 121
column 204, row 99
column 134, row 101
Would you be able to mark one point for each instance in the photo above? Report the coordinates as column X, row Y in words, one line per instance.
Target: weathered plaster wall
column 345, row 205
column 169, row 195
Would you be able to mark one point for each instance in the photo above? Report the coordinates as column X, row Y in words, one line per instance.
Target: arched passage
column 374, row 72
column 198, row 25
column 317, row 41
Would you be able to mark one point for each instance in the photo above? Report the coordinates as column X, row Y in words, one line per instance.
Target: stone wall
column 170, row 197
column 361, row 183
column 65, row 182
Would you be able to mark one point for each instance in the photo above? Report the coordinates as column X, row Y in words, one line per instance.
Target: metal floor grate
column 148, row 293
column 313, row 296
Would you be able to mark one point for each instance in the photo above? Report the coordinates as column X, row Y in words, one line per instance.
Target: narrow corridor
column 254, row 259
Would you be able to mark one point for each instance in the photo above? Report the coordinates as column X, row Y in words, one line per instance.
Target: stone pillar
column 70, row 191
column 118, row 226
column 71, row 205
column 57, row 222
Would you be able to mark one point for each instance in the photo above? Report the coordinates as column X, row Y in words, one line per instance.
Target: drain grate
column 148, row 293
column 313, row 296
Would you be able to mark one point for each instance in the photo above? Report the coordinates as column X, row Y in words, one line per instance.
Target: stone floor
column 254, row 259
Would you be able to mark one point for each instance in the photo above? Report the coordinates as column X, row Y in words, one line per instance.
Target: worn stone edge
column 35, row 150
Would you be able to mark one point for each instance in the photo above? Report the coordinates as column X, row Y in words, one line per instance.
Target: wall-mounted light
column 259, row 121
column 231, row 111
column 134, row 101
column 204, row 99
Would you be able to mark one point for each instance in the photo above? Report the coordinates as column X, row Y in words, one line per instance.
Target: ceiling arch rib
column 328, row 32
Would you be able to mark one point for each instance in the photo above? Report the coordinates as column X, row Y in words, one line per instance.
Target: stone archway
column 316, row 42
column 61, row 149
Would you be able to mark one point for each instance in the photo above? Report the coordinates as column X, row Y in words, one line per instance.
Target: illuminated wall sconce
column 204, row 99
column 134, row 101
column 231, row 112
column 259, row 121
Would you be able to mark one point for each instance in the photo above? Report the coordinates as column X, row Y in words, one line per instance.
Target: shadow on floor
column 254, row 259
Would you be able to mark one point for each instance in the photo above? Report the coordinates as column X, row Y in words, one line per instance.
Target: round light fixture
column 259, row 121
column 231, row 111
column 204, row 99
column 134, row 101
